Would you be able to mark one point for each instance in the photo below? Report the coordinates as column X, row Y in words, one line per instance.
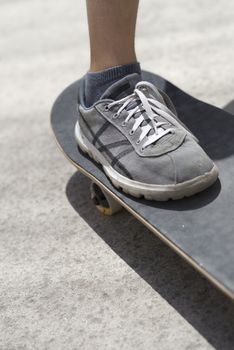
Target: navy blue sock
column 97, row 82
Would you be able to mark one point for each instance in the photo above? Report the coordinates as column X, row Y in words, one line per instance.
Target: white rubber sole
column 148, row 191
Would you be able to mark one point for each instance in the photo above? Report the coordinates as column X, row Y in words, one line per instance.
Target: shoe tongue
column 122, row 87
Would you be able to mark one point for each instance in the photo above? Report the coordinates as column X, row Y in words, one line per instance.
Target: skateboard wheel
column 103, row 201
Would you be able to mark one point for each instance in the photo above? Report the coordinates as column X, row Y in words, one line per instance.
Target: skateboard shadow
column 204, row 307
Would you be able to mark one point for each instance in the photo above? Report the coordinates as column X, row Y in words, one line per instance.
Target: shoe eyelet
column 115, row 116
column 131, row 132
column 138, row 142
column 124, row 124
column 106, row 108
column 142, row 149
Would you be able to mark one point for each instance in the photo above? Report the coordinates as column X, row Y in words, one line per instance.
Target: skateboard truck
column 105, row 203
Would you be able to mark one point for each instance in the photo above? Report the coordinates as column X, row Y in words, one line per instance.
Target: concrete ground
column 69, row 277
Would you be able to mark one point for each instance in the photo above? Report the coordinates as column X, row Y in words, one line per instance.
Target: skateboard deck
column 199, row 228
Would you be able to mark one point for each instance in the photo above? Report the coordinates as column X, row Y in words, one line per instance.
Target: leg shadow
column 229, row 107
column 212, row 126
column 202, row 305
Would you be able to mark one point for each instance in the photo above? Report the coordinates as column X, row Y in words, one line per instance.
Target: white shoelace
column 153, row 109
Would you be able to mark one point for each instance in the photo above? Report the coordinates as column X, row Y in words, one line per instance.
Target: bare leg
column 112, row 32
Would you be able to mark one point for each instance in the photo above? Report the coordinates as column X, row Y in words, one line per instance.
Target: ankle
column 96, row 82
column 107, row 62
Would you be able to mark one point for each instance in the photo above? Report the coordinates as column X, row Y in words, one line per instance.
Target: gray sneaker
column 133, row 131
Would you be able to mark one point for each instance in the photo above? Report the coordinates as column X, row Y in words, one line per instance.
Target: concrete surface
column 70, row 278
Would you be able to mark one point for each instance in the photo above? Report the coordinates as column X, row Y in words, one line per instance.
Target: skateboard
column 200, row 228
